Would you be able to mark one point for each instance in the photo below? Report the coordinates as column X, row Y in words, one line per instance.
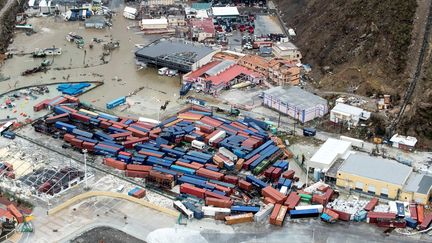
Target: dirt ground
column 107, row 235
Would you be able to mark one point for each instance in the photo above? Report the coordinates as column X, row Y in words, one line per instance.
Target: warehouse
column 328, row 153
column 296, row 102
column 154, row 24
column 373, row 175
column 175, row 54
column 343, row 113
column 225, row 12
column 403, row 142
column 418, row 188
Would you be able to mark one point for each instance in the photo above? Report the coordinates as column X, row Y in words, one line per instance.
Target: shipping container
column 136, row 174
column 256, row 182
column 274, row 194
column 426, row 221
column 198, row 214
column 263, row 213
column 275, row 213
column 280, row 218
column 307, row 213
column 412, row 223
column 237, row 219
column 413, row 211
column 320, row 208
column 16, row 213
column 211, row 211
column 210, row 201
column 182, row 209
column 192, row 190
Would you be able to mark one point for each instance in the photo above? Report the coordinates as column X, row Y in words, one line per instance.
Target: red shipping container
column 153, row 136
column 206, row 129
column 289, row 174
column 197, row 164
column 79, row 117
column 231, row 179
column 209, row 201
column 210, row 121
column 215, row 195
column 88, row 146
column 68, row 137
column 189, row 138
column 239, row 125
column 120, row 136
column 40, row 106
column 148, row 153
column 220, row 188
column 77, row 143
column 125, row 153
column 192, row 190
column 115, row 163
column 139, row 194
column 137, row 133
column 275, row 213
column 344, row 216
column 250, row 161
column 420, row 213
column 145, row 168
column 156, row 130
column 131, row 143
column 269, row 200
column 68, row 108
column 245, row 185
column 210, row 174
column 413, row 211
column 426, row 221
column 273, row 193
column 16, row 213
column 137, row 174
column 268, row 171
column 371, row 204
column 62, row 117
column 104, row 124
column 187, row 165
column 318, row 199
column 292, row 201
column 276, row 174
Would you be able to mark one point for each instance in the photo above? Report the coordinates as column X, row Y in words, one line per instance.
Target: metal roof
column 419, row 183
column 376, row 168
column 296, row 96
column 347, row 109
column 225, row 11
column 201, row 6
column 220, row 67
column 329, row 152
column 176, row 51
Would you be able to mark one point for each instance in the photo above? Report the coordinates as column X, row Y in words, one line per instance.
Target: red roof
column 201, row 71
column 5, row 213
column 229, row 74
column 206, row 25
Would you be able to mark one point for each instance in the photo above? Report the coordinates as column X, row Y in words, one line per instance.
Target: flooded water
column 121, row 75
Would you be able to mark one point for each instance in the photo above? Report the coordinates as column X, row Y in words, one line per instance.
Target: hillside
column 358, row 42
column 367, row 47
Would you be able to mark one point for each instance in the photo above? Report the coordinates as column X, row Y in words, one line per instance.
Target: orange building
column 256, row 63
column 283, row 72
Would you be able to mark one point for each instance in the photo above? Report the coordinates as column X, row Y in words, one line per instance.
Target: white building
column 287, row 50
column 225, row 12
column 130, row 13
column 343, row 113
column 158, row 2
column 154, row 24
column 296, row 102
column 403, row 142
column 332, row 150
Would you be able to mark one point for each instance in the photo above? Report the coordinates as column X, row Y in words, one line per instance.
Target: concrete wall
column 347, row 180
column 203, row 61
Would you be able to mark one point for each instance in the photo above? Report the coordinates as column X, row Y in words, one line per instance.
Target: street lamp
column 85, row 169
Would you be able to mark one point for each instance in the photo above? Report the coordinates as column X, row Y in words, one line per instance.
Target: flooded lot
column 120, row 75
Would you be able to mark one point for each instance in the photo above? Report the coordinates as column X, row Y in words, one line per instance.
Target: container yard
column 150, row 122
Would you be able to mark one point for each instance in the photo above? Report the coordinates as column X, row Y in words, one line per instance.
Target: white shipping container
column 264, row 212
column 198, row 144
column 211, row 211
column 230, row 155
column 319, row 207
column 354, row 142
column 180, row 207
column 284, row 190
column 220, row 134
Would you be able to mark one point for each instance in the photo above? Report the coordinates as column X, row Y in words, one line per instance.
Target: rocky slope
column 369, row 47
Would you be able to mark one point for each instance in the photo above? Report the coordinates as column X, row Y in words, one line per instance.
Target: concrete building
column 373, row 175
column 154, row 24
column 176, row 20
column 175, row 54
column 256, row 63
column 225, row 12
column 217, row 75
column 287, row 50
column 283, row 72
column 192, row 13
column 296, row 102
column 418, row 188
column 158, row 2
column 343, row 113
column 332, row 150
column 201, row 29
column 403, row 142
column 385, row 178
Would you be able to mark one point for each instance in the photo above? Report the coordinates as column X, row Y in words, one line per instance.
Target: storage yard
column 98, row 138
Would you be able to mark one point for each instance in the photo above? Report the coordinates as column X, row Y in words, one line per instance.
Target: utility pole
column 279, row 119
column 85, row 169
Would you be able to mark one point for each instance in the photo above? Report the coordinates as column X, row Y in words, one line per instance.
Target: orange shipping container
column 281, row 215
column 210, row 201
column 237, row 219
column 239, row 164
column 16, row 213
column 275, row 213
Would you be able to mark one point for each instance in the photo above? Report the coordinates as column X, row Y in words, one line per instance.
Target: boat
column 185, row 88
